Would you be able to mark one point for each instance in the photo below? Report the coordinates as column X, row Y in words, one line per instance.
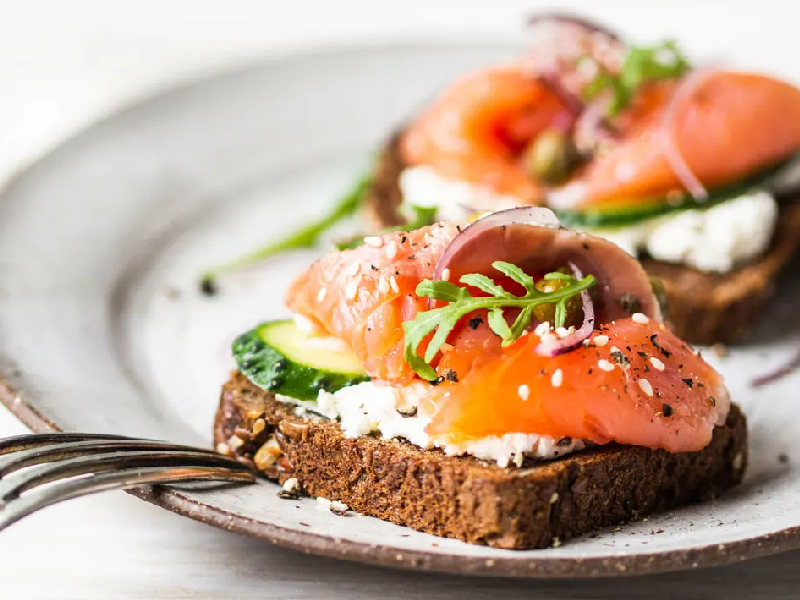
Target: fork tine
column 64, row 490
column 27, row 441
column 37, row 454
column 109, row 462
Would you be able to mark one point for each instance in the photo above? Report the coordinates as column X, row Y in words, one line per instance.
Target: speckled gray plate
column 102, row 328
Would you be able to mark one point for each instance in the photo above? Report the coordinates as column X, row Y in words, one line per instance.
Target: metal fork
column 37, row 471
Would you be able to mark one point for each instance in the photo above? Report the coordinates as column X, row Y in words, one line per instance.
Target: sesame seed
column 321, row 294
column 657, row 363
column 393, row 283
column 354, row 269
column 350, row 290
column 640, row 318
column 223, row 448
column 523, row 391
column 391, row 249
column 600, row 340
column 446, row 275
column 542, row 328
column 645, row 386
column 375, row 242
column 605, row 365
column 557, row 378
column 614, row 349
column 562, row 332
column 383, row 285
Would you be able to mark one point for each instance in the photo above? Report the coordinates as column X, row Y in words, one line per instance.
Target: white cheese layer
column 456, row 200
column 715, row 239
column 371, row 408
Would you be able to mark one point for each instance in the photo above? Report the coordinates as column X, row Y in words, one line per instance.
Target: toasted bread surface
column 474, row 500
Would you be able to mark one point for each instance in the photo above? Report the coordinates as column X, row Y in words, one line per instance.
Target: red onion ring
column 672, row 153
column 593, row 127
column 572, row 19
column 531, row 238
column 779, row 372
column 560, row 40
column 528, row 215
column 572, row 341
column 552, row 81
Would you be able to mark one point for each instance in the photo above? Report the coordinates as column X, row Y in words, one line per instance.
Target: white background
column 66, row 64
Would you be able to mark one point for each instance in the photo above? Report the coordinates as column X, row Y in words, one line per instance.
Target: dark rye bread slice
column 476, row 501
column 703, row 308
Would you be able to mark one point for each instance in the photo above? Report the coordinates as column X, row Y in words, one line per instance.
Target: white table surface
column 65, row 64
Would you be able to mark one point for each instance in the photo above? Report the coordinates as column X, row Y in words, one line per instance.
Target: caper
column 550, row 157
column 547, row 312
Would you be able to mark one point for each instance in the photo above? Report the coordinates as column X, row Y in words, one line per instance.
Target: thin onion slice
column 533, row 240
column 554, row 16
column 575, row 339
column 672, row 152
column 552, row 81
column 528, row 215
column 791, row 365
column 560, row 43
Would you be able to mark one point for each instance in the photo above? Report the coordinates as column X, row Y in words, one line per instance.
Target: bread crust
column 466, row 498
column 703, row 308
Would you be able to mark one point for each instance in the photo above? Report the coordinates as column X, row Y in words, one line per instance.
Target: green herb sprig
column 306, row 237
column 461, row 303
column 641, row 64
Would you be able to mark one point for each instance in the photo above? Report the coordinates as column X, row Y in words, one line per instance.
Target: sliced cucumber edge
column 261, row 360
column 656, row 207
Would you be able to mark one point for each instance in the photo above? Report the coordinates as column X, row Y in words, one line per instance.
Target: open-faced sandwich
column 687, row 168
column 508, row 382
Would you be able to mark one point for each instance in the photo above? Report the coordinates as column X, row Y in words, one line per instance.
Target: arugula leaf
column 515, row 273
column 484, row 284
column 461, row 302
column 306, row 237
column 641, row 65
column 497, row 323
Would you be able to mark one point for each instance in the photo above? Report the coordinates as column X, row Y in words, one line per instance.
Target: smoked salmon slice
column 362, row 296
column 727, row 127
column 475, row 130
column 630, row 381
column 710, row 127
column 635, row 384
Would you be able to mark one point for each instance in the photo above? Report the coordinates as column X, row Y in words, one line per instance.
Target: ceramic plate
column 102, row 327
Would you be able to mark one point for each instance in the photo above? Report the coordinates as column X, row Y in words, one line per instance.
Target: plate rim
column 707, row 555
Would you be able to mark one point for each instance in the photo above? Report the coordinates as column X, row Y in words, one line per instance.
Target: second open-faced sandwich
column 507, row 382
column 686, row 168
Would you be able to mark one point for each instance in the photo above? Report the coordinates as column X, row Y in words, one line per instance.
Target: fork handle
column 65, row 490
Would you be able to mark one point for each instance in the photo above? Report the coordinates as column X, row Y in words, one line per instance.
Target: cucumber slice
column 278, row 357
column 649, row 208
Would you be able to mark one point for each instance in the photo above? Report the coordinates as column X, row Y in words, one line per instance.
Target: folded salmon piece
column 627, row 379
